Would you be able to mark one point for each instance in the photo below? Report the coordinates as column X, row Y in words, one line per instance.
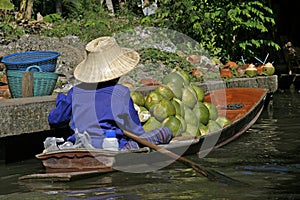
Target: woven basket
column 46, row 60
column 43, row 82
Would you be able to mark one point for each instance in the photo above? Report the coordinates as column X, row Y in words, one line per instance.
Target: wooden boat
column 82, row 159
column 251, row 101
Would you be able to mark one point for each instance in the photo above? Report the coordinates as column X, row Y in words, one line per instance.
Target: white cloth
column 150, row 9
column 109, row 5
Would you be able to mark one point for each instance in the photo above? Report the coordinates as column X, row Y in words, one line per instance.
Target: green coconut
column 184, row 75
column 213, row 126
column 202, row 113
column 190, row 117
column 137, row 108
column 223, row 121
column 142, row 108
column 163, row 109
column 165, row 91
column 191, row 130
column 173, row 77
column 269, row 69
column 199, row 92
column 138, row 98
column 152, row 98
column 189, row 96
column 212, row 109
column 251, row 71
column 144, row 115
column 173, row 123
column 176, row 88
column 151, row 124
column 182, row 124
column 203, row 129
column 179, row 108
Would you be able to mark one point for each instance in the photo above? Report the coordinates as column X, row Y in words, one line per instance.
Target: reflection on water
column 266, row 158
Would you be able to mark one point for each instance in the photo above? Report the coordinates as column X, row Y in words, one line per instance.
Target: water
column 265, row 159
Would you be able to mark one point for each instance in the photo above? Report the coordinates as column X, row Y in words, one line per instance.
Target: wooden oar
column 211, row 175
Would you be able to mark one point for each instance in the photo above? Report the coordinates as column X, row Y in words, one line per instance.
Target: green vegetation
column 6, row 5
column 226, row 29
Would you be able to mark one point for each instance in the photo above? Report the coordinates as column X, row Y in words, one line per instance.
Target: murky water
column 265, row 159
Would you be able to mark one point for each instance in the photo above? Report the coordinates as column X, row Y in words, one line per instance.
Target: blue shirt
column 96, row 108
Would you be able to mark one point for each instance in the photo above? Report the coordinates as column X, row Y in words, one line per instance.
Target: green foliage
column 74, row 8
column 70, row 8
column 12, row 31
column 92, row 21
column 173, row 60
column 9, row 30
column 226, row 29
column 6, row 5
column 52, row 18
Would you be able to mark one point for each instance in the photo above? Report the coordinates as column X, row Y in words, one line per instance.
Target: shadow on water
column 266, row 157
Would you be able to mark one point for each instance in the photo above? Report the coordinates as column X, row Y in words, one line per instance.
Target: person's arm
column 61, row 115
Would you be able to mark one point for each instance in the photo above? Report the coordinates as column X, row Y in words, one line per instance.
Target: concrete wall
column 30, row 115
column 25, row 115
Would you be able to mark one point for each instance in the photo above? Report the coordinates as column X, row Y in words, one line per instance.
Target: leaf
column 194, row 18
column 6, row 5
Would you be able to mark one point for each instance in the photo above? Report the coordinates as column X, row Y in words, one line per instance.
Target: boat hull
column 81, row 159
column 253, row 99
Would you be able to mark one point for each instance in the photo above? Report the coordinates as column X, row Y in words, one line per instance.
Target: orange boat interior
column 245, row 98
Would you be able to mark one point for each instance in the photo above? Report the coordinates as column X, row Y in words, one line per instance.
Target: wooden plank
column 63, row 176
column 27, row 84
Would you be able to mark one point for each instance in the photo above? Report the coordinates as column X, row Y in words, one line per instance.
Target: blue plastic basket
column 43, row 82
column 46, row 60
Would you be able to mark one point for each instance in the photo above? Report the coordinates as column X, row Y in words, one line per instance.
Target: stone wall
column 30, row 115
column 25, row 115
column 71, row 49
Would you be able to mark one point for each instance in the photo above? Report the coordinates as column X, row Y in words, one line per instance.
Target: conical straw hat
column 105, row 61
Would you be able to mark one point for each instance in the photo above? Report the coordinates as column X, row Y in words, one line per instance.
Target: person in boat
column 98, row 103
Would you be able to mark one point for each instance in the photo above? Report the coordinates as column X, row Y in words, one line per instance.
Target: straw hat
column 105, row 61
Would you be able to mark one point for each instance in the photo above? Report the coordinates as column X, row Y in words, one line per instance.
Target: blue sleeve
column 61, row 115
